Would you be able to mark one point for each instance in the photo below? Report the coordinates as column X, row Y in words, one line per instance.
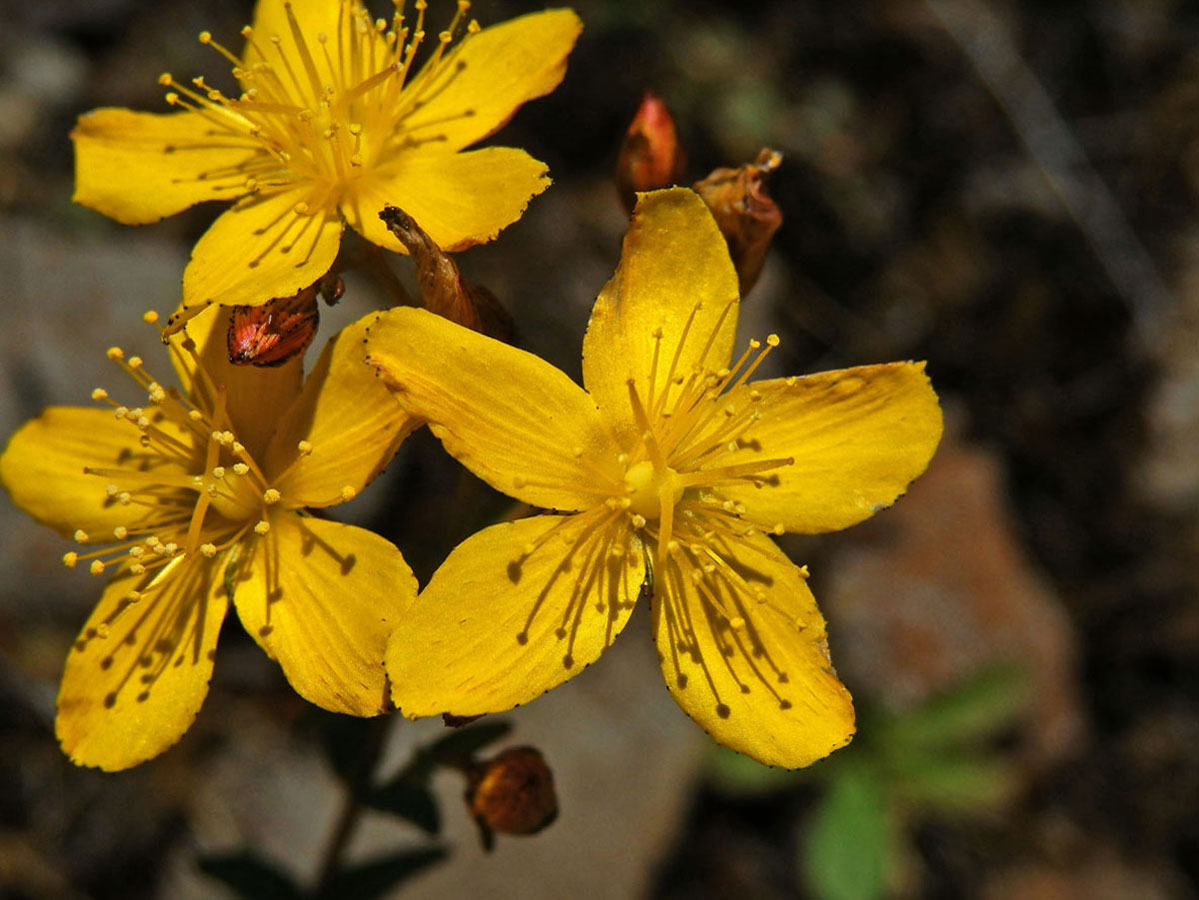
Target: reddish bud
column 443, row 289
column 747, row 216
column 650, row 157
column 512, row 793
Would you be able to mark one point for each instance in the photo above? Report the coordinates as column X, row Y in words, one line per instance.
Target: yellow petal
column 141, row 167
column 674, row 279
column 262, row 249
column 43, row 469
column 475, row 91
column 459, row 199
column 744, row 652
column 858, row 437
column 511, row 418
column 254, row 396
column 139, row 672
column 496, row 627
column 321, row 598
column 350, row 420
column 313, row 17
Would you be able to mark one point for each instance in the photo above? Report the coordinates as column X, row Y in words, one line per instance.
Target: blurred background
column 1006, row 189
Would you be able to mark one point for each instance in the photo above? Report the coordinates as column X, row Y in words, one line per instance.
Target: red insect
column 276, row 331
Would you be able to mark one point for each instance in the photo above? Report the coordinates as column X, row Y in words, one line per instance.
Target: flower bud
column 512, row 793
column 650, row 157
column 443, row 289
column 747, row 216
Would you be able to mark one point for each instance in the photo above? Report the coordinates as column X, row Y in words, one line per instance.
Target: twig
column 1046, row 136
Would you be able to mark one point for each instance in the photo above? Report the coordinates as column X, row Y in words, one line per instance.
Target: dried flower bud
column 452, row 721
column 443, row 289
column 747, row 216
column 650, row 156
column 512, row 793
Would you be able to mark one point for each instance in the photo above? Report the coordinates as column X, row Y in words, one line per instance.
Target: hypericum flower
column 197, row 498
column 671, row 457
column 329, row 127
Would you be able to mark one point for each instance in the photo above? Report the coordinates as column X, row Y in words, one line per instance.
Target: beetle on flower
column 333, row 123
column 665, row 476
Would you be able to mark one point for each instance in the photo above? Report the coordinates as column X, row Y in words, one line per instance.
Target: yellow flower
column 331, row 126
column 197, row 497
column 671, row 457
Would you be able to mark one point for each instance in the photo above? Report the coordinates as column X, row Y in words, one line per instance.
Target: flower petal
column 253, row 396
column 262, row 249
column 139, row 672
column 499, row 625
column 475, row 91
column 674, row 275
column 321, row 598
column 858, row 437
column 508, row 416
column 43, row 469
column 141, row 167
column 350, row 418
column 459, row 199
column 763, row 686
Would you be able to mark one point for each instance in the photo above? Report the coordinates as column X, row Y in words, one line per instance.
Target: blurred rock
column 939, row 587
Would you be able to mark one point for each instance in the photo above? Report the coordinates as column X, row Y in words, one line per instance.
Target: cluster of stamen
column 322, row 108
column 190, row 486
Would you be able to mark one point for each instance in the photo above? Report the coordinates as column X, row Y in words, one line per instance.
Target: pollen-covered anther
column 99, row 394
column 240, row 468
column 262, row 528
column 135, row 362
column 137, row 569
column 137, row 552
column 114, row 353
column 121, row 412
column 208, row 550
column 638, row 521
column 218, row 472
column 97, row 567
column 150, row 317
column 304, row 447
column 134, row 596
column 772, row 340
column 120, row 532
column 69, row 559
column 80, row 536
column 156, row 393
column 271, row 496
column 195, row 415
column 736, row 623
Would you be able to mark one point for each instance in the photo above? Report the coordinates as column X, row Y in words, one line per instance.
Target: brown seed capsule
column 443, row 289
column 747, row 216
column 512, row 793
column 650, row 156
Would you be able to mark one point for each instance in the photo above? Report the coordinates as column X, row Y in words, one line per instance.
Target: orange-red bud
column 650, row 157
column 512, row 793
column 443, row 289
column 280, row 329
column 746, row 214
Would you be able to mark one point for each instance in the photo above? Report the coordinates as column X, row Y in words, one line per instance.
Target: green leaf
column 986, row 705
column 954, row 784
column 347, row 741
column 377, row 877
column 732, row 773
column 848, row 847
column 409, row 800
column 249, row 876
column 464, row 742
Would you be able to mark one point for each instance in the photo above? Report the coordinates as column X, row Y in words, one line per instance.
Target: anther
column 240, row 468
column 304, row 447
column 99, row 394
column 271, row 496
column 97, row 567
column 638, row 521
column 121, row 412
column 205, row 37
column 69, row 559
column 772, row 340
column 137, row 569
column 150, row 317
column 218, row 472
column 262, row 527
column 120, row 532
column 209, row 550
column 81, row 536
column 135, row 362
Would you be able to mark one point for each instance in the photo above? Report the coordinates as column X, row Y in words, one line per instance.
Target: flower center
column 646, row 485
